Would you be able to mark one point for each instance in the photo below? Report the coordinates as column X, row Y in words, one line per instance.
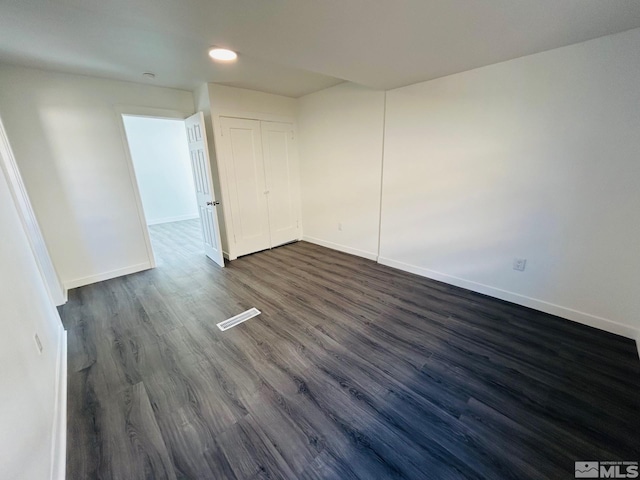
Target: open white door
column 199, row 153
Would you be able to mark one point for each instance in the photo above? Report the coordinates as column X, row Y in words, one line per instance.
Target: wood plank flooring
column 353, row 371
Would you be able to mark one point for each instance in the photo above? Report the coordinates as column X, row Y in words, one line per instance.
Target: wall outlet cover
column 38, row 343
column 519, row 264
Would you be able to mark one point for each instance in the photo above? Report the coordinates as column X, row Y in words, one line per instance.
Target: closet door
column 281, row 167
column 245, row 180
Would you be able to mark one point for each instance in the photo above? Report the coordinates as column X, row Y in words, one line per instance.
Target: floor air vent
column 238, row 319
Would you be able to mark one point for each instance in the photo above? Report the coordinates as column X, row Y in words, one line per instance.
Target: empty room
column 319, row 240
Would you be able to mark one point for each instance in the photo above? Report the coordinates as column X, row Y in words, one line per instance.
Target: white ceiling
column 294, row 47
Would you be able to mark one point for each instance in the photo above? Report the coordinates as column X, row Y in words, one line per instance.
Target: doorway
column 171, row 176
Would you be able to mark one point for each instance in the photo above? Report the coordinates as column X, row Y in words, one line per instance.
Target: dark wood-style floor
column 353, row 370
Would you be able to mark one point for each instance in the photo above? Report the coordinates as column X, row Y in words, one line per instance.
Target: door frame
column 216, row 120
column 135, row 111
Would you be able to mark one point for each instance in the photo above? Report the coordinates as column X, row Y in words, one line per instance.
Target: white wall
column 340, row 167
column 536, row 157
column 240, row 100
column 31, row 406
column 27, row 215
column 160, row 155
column 68, row 141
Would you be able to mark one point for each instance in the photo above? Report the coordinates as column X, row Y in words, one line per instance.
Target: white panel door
column 245, row 181
column 281, row 168
column 199, row 153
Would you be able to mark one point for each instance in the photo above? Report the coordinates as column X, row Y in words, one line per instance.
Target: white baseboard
column 341, row 248
column 64, row 297
column 101, row 277
column 179, row 218
column 558, row 310
column 59, row 442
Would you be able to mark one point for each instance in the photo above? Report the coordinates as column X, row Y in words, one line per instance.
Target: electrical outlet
column 340, row 226
column 519, row 264
column 38, row 343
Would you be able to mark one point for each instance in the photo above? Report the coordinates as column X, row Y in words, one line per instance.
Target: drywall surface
column 69, row 145
column 534, row 158
column 160, row 156
column 23, row 204
column 28, row 397
column 340, row 167
column 234, row 100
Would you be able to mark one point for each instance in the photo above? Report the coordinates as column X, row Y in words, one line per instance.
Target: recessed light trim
column 222, row 54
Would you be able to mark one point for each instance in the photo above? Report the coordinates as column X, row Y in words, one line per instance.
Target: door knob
column 213, row 203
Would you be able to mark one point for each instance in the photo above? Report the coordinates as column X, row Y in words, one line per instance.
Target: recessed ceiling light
column 149, row 75
column 223, row 54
